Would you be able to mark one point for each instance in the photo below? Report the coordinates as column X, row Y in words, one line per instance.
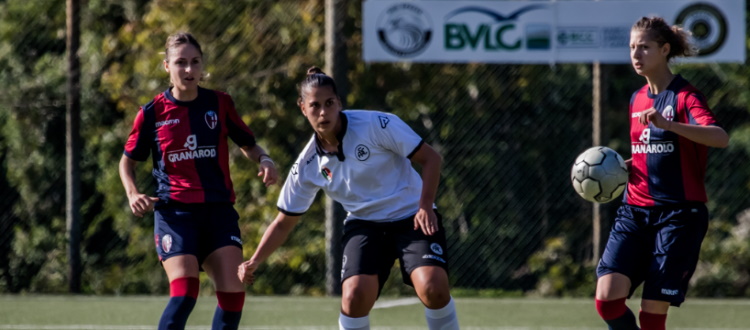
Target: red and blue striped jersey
column 188, row 145
column 667, row 168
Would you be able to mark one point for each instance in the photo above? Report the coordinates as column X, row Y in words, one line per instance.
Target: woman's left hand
column 427, row 221
column 268, row 172
column 654, row 117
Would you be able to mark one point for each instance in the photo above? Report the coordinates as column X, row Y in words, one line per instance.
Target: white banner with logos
column 541, row 31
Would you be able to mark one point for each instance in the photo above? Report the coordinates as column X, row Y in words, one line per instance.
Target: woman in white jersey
column 362, row 159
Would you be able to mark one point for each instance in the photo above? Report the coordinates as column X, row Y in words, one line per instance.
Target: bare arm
column 267, row 167
column 139, row 203
column 712, row 136
column 275, row 236
column 431, row 162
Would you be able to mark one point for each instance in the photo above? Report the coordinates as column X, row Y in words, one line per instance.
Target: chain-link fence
column 508, row 135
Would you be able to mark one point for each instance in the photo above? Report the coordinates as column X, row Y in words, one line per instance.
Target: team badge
column 362, row 152
column 295, row 169
column 326, row 173
column 166, row 243
column 668, row 113
column 435, row 247
column 383, row 121
column 211, row 119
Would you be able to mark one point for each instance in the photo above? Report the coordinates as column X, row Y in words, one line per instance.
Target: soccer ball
column 599, row 175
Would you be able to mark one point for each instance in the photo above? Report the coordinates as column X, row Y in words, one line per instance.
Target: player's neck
column 329, row 142
column 184, row 95
column 659, row 82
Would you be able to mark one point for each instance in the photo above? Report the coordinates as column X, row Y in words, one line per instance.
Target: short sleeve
column 137, row 146
column 698, row 111
column 392, row 133
column 236, row 128
column 297, row 194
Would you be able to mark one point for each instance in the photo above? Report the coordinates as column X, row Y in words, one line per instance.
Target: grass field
column 301, row 313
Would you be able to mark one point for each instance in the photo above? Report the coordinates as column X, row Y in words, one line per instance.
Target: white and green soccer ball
column 599, row 175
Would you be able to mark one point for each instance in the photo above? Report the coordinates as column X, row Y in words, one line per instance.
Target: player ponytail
column 677, row 38
column 315, row 78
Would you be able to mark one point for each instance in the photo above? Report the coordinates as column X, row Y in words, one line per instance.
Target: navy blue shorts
column 656, row 246
column 195, row 229
column 372, row 247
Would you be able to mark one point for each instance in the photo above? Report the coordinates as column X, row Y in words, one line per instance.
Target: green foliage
column 559, row 274
column 508, row 134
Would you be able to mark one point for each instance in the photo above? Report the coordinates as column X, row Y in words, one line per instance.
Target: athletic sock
column 229, row 310
column 354, row 323
column 617, row 315
column 183, row 292
column 652, row 321
column 442, row 318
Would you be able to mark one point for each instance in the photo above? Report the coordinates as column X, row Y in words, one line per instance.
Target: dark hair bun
column 314, row 70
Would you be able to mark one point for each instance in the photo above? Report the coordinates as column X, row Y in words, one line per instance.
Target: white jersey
column 371, row 175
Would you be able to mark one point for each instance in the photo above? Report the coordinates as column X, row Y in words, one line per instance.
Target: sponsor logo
column 578, row 37
column 362, row 152
column 668, row 113
column 707, row 25
column 192, row 152
column 166, row 243
column 404, row 30
column 670, row 292
column 429, row 256
column 236, row 239
column 167, row 122
column 326, row 173
column 383, row 121
column 645, row 136
column 295, row 169
column 311, row 159
column 211, row 119
column 495, row 33
column 653, row 148
column 635, row 115
column 435, row 247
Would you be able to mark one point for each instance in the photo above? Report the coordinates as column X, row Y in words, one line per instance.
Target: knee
column 433, row 295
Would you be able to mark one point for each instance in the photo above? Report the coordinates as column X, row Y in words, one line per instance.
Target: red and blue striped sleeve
column 236, row 128
column 138, row 146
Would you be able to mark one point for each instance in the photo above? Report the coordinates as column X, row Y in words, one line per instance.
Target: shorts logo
column 668, row 113
column 383, row 121
column 435, row 247
column 211, row 119
column 326, row 173
column 430, row 256
column 362, row 152
column 343, row 266
column 236, row 239
column 669, row 292
column 166, row 243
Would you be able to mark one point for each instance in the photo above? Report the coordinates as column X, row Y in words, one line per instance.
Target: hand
column 268, row 172
column 246, row 271
column 426, row 220
column 140, row 204
column 654, row 117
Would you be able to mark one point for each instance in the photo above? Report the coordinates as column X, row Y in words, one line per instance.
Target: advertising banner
column 541, row 31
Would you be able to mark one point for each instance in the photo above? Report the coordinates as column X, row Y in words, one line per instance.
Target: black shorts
column 372, row 247
column 657, row 246
column 195, row 229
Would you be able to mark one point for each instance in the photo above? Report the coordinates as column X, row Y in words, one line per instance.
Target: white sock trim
column 441, row 312
column 346, row 322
